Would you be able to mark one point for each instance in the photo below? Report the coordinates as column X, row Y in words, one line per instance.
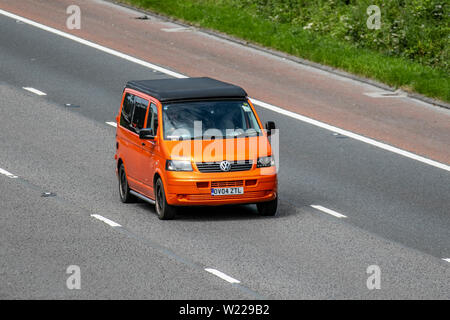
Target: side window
column 140, row 110
column 152, row 120
column 127, row 111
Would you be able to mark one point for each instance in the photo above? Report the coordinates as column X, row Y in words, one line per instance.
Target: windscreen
column 209, row 119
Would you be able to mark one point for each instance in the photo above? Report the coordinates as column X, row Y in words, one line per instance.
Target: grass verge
column 241, row 22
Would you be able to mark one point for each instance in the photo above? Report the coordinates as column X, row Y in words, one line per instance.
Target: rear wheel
column 268, row 208
column 164, row 210
column 124, row 189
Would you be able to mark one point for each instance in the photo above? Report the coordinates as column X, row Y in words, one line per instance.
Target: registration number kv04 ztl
column 227, row 191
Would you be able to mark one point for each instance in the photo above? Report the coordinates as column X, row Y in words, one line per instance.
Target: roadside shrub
column 415, row 29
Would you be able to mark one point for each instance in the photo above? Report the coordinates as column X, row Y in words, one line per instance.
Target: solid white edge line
column 91, row 44
column 113, row 124
column 329, row 211
column 352, row 135
column 35, row 91
column 8, row 174
column 105, row 220
column 222, row 275
column 446, row 259
column 255, row 101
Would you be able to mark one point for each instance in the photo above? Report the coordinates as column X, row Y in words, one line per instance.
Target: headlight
column 265, row 162
column 178, row 165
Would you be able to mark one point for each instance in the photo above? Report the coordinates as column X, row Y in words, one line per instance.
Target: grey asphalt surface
column 397, row 208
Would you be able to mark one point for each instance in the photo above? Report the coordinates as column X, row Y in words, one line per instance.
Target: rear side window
column 140, row 110
column 152, row 120
column 127, row 111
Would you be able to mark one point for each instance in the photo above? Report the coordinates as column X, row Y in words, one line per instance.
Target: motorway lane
column 402, row 122
column 67, row 71
column 397, row 197
column 300, row 254
column 41, row 236
column 303, row 253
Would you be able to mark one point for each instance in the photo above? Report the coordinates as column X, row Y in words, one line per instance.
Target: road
column 396, row 208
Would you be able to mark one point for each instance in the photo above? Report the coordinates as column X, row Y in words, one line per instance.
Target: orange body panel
column 144, row 159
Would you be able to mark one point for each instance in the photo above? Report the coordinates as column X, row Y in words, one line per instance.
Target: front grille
column 215, row 166
column 225, row 184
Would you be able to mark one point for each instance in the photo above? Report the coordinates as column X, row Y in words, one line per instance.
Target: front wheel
column 164, row 210
column 124, row 189
column 268, row 208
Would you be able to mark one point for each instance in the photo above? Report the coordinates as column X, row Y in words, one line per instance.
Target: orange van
column 193, row 142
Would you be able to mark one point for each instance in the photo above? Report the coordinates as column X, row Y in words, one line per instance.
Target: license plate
column 226, row 191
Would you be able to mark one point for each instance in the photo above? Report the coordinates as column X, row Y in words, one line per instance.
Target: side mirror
column 270, row 125
column 146, row 134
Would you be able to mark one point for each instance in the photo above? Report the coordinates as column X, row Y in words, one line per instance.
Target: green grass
column 425, row 74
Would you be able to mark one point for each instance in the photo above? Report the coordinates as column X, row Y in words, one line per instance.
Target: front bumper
column 194, row 188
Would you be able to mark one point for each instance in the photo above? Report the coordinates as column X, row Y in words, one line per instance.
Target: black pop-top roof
column 187, row 89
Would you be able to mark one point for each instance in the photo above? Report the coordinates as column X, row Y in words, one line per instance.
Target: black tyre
column 124, row 189
column 268, row 208
column 164, row 210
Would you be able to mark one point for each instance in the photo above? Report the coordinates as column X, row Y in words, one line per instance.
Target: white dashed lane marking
column 35, row 91
column 329, row 211
column 8, row 174
column 105, row 220
column 222, row 275
column 113, row 124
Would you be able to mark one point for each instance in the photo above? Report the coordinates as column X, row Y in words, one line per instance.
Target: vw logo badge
column 225, row 166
